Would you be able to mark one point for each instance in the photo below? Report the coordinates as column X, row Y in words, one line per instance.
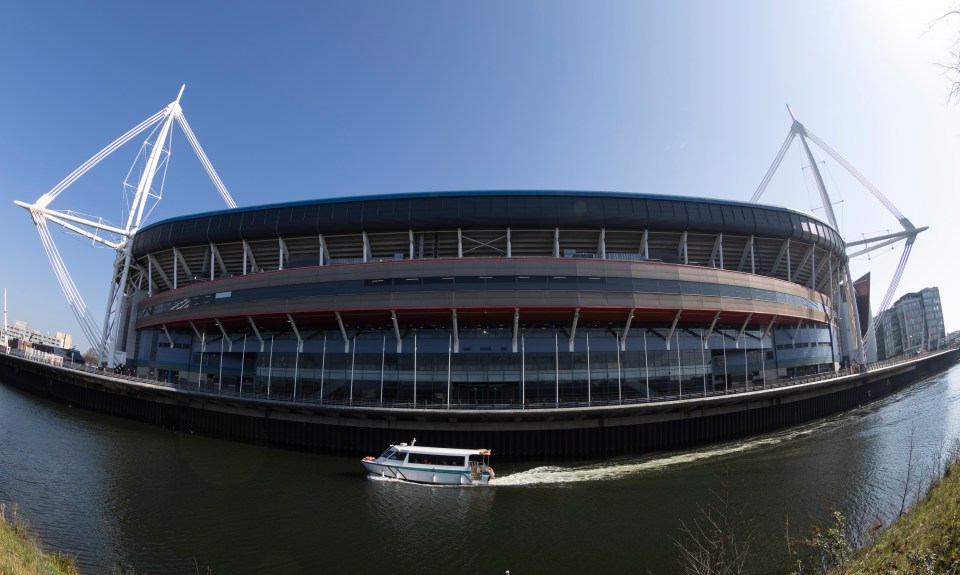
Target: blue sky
column 300, row 100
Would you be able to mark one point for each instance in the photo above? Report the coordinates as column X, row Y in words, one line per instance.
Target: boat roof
column 438, row 450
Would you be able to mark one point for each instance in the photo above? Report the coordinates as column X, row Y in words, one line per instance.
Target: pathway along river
column 125, row 496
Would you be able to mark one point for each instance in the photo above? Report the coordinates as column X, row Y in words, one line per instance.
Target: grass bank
column 21, row 552
column 925, row 540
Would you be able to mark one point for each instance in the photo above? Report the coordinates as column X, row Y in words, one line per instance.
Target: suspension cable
column 891, row 290
column 773, row 167
column 48, row 197
column 863, row 180
column 67, row 286
column 182, row 120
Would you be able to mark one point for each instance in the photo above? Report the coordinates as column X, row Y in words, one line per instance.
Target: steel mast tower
column 5, row 316
column 909, row 234
column 157, row 153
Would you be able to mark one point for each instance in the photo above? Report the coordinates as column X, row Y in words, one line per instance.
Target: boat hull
column 425, row 474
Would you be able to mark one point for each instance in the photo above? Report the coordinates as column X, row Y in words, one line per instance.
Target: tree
column 718, row 540
column 952, row 69
column 91, row 357
column 826, row 550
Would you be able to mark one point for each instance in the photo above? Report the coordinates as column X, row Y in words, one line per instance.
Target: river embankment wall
column 535, row 433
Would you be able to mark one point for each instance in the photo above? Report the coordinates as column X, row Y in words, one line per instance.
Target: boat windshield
column 393, row 454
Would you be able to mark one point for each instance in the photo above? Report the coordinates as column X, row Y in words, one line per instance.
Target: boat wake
column 550, row 474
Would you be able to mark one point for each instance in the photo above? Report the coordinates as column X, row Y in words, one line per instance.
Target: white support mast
column 106, row 339
column 5, row 317
column 909, row 234
column 824, row 196
column 111, row 320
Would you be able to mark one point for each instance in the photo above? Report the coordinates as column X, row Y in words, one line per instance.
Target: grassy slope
column 926, row 540
column 22, row 554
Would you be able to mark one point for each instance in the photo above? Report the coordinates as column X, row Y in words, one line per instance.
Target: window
column 422, row 458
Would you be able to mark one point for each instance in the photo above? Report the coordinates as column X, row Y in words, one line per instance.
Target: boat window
column 437, row 459
column 453, row 460
column 421, row 458
column 396, row 455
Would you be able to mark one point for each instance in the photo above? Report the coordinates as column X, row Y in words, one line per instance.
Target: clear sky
column 299, row 100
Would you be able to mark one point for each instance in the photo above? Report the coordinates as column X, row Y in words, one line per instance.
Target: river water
column 123, row 496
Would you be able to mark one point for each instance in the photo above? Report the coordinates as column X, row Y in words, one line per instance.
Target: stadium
column 542, row 324
column 508, row 300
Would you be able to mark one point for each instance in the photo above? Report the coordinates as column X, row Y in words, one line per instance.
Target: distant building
column 66, row 338
column 914, row 323
column 21, row 330
column 861, row 288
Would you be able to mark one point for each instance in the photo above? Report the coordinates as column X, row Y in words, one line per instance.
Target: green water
column 122, row 495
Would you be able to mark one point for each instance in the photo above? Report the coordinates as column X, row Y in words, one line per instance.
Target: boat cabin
column 431, row 456
column 437, row 465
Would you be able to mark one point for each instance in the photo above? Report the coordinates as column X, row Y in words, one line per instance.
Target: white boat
column 433, row 465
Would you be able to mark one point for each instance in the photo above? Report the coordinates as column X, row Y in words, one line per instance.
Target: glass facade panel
column 543, row 372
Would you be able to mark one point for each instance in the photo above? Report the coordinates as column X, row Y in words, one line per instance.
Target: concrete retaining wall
column 538, row 434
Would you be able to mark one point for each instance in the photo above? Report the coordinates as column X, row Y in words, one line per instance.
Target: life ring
column 484, row 452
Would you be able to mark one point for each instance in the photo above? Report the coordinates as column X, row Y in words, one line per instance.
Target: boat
column 432, row 465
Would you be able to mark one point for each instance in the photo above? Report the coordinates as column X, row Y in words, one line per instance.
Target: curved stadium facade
column 504, row 301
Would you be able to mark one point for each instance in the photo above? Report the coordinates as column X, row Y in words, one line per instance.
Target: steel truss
column 157, row 153
column 909, row 232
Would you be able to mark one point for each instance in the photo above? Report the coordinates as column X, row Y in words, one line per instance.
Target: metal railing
column 253, row 391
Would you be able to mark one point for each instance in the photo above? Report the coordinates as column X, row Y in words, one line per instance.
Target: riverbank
column 925, row 540
column 21, row 552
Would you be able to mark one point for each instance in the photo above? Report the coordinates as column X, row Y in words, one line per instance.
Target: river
column 123, row 496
